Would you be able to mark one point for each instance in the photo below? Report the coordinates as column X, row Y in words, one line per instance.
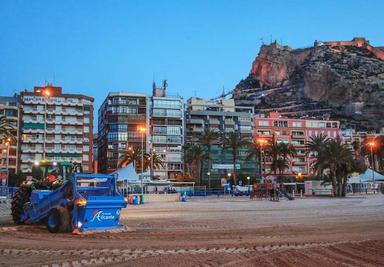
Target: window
column 263, row 123
column 159, row 139
column 245, row 128
column 117, row 136
column 118, row 127
column 298, row 133
column 296, row 124
column 157, row 103
column 298, row 169
column 171, row 130
column 266, row 132
column 159, row 130
column 280, row 123
column 122, row 109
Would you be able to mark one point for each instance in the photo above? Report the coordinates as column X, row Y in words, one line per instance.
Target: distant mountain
column 342, row 80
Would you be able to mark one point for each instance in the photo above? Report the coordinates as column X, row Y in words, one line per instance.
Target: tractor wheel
column 53, row 221
column 59, row 220
column 65, row 220
column 21, row 197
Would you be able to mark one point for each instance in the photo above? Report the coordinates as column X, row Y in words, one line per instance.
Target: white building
column 55, row 126
column 167, row 131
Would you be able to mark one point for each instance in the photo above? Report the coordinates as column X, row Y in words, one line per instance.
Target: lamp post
column 261, row 142
column 153, row 151
column 142, row 130
column 249, row 180
column 371, row 145
column 209, row 180
column 46, row 95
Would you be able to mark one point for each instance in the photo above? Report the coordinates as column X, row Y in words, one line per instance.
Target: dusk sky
column 93, row 47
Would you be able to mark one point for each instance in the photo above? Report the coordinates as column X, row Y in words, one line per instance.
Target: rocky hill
column 342, row 80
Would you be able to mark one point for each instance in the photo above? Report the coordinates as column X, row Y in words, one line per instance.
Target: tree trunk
column 209, row 166
column 199, row 171
column 334, row 184
column 234, row 167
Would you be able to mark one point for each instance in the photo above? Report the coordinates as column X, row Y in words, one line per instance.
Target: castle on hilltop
column 356, row 42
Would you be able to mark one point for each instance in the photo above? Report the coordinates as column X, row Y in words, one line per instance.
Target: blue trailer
column 86, row 202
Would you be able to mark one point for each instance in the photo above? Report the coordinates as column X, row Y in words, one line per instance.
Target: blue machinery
column 87, row 202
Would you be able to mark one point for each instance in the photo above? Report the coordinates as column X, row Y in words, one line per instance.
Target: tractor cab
column 52, row 171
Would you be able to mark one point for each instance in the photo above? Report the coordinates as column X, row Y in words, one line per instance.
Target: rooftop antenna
column 270, row 39
column 262, row 40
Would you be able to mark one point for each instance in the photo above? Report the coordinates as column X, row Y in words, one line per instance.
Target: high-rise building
column 9, row 145
column 223, row 117
column 95, row 162
column 167, row 131
column 121, row 116
column 296, row 132
column 55, row 126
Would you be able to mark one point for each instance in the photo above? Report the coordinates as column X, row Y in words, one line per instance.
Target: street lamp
column 261, row 142
column 249, row 180
column 142, row 130
column 7, row 143
column 372, row 145
column 153, row 152
column 46, row 94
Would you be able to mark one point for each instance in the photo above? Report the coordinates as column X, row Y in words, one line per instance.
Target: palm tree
column 316, row 143
column 234, row 141
column 281, row 154
column 154, row 161
column 6, row 128
column 208, row 138
column 254, row 152
column 194, row 155
column 132, row 155
column 339, row 161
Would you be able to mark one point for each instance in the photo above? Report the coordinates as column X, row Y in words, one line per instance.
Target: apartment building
column 120, row 117
column 222, row 116
column 55, row 126
column 9, row 147
column 167, row 131
column 296, row 132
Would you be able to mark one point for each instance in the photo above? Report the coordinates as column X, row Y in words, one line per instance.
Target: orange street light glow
column 47, row 93
column 371, row 144
column 261, row 141
column 141, row 129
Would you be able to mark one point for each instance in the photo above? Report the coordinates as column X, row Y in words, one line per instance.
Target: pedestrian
column 254, row 190
column 269, row 189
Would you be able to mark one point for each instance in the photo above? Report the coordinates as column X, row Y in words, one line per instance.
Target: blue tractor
column 83, row 202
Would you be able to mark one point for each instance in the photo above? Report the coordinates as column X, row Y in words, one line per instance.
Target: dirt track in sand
column 216, row 231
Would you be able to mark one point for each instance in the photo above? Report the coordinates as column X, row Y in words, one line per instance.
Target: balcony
column 229, row 122
column 33, row 140
column 213, row 121
column 195, row 121
column 197, row 130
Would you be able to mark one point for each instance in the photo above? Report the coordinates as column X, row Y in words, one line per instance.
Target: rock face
column 342, row 80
